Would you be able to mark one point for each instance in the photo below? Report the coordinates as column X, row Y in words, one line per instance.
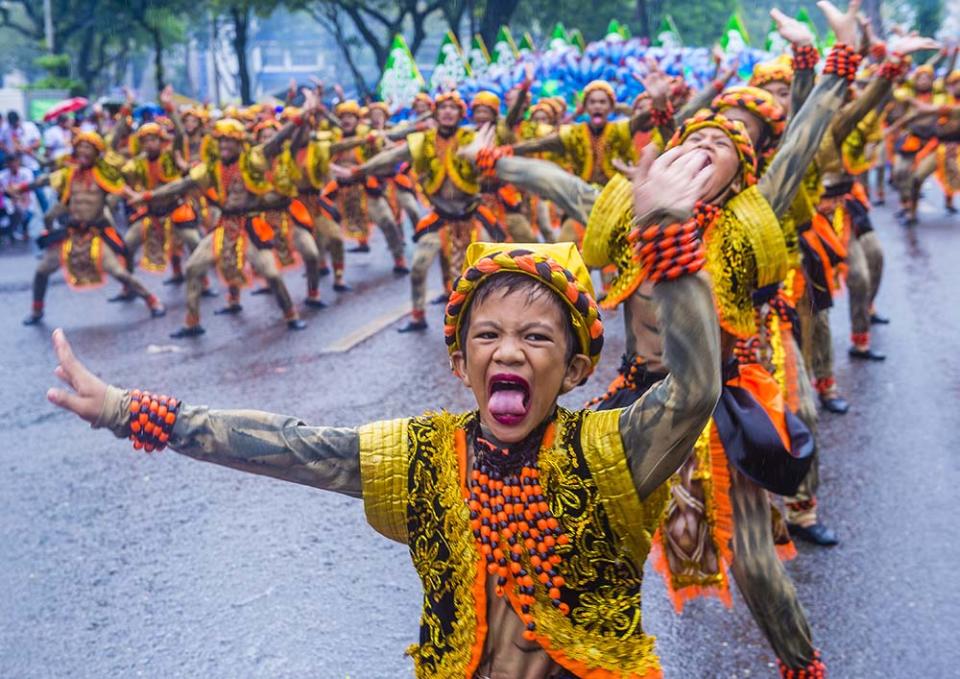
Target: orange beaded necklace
column 512, row 522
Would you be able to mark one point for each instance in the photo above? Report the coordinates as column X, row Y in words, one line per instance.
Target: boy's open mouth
column 508, row 398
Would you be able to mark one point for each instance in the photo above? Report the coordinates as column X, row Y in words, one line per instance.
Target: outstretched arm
column 261, row 443
column 548, row 180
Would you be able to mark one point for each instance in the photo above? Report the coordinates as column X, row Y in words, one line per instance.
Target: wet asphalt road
column 121, row 565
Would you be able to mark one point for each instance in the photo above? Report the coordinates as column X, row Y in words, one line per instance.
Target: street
column 117, row 564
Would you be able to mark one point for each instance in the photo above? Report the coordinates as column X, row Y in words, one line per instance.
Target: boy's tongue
column 507, row 402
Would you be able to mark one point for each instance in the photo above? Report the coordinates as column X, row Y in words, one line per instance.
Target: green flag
column 478, row 58
column 452, row 68
column 559, row 37
column 735, row 37
column 401, row 79
column 613, row 29
column 505, row 50
column 576, row 37
column 667, row 34
column 526, row 44
column 625, row 32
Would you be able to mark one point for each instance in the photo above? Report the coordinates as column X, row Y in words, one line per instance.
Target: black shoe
column 261, row 291
column 880, row 201
column 866, row 354
column 341, row 287
column 900, row 214
column 401, row 270
column 413, row 326
column 188, row 331
column 124, row 296
column 323, row 271
column 951, row 210
column 296, row 324
column 209, row 293
column 229, row 310
column 441, row 299
column 362, row 247
column 314, row 303
column 175, row 280
column 158, row 311
column 33, row 319
column 877, row 319
column 816, row 534
column 834, row 404
column 911, row 221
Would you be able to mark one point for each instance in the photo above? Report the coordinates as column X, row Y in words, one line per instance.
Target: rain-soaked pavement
column 114, row 564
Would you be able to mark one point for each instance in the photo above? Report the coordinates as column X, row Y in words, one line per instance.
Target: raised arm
column 515, row 114
column 261, row 443
column 385, row 161
column 548, row 180
column 552, row 143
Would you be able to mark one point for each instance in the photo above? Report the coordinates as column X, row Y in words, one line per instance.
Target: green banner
column 401, row 79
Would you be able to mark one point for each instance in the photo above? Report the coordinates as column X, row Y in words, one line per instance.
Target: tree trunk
column 495, row 14
column 241, row 23
column 158, row 59
column 643, row 15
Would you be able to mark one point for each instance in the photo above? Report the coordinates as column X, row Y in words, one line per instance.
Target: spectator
column 56, row 138
column 24, row 138
column 18, row 208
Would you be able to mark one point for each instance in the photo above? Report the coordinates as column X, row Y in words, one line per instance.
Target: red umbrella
column 65, row 106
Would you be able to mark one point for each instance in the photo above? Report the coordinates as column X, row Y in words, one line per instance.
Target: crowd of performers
column 724, row 223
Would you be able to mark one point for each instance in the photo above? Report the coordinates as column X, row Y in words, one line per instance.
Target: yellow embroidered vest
column 413, row 475
column 591, row 156
column 746, row 251
column 432, row 169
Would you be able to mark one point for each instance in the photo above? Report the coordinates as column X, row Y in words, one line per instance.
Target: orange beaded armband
column 878, row 51
column 668, row 252
column 151, row 420
column 661, row 117
column 842, row 61
column 805, row 57
column 892, row 69
column 487, row 158
column 815, row 670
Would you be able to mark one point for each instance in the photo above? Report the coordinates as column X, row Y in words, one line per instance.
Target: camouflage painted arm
column 803, row 81
column 846, row 120
column 549, row 144
column 780, row 183
column 385, row 161
column 548, row 180
column 257, row 442
column 515, row 114
column 659, row 430
column 275, row 145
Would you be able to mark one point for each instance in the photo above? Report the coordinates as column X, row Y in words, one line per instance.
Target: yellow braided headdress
column 558, row 266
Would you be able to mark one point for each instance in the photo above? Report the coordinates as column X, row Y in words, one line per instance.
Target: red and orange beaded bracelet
column 842, row 61
column 668, row 252
column 894, row 68
column 151, row 420
column 815, row 670
column 661, row 117
column 487, row 158
column 805, row 57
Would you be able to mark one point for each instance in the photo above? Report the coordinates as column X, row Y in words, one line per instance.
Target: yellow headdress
column 777, row 70
column 154, row 129
column 600, row 86
column 558, row 266
column 91, row 138
column 758, row 102
column 486, row 98
column 379, row 106
column 348, row 107
column 229, row 128
column 732, row 128
column 453, row 96
column 198, row 112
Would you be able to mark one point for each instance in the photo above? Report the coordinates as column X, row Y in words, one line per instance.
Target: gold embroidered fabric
column 80, row 255
column 591, row 156
column 602, row 564
column 436, row 160
column 746, row 250
column 384, row 464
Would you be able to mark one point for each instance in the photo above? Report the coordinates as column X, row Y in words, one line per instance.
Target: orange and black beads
column 669, row 251
column 805, row 57
column 151, row 420
column 517, row 533
column 487, row 158
column 661, row 117
column 842, row 61
column 815, row 670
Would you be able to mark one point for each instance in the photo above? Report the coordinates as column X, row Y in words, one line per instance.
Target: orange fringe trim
column 720, row 516
column 787, row 551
